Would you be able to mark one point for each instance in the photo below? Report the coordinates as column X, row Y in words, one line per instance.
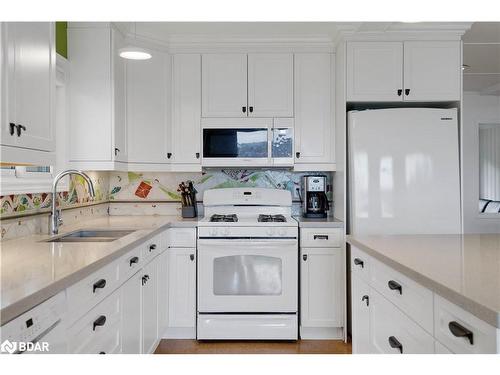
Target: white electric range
column 247, row 266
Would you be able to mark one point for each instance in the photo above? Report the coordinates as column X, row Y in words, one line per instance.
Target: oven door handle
column 248, row 243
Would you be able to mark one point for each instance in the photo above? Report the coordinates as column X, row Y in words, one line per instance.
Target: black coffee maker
column 314, row 203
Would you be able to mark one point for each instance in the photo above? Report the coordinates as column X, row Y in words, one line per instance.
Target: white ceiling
column 482, row 55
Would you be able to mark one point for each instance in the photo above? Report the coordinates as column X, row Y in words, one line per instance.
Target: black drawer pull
column 359, row 262
column 19, row 129
column 395, row 286
column 133, row 260
column 169, row 155
column 102, row 352
column 12, row 128
column 407, row 92
column 394, row 343
column 459, row 330
column 297, row 155
column 99, row 322
column 99, row 285
column 304, row 257
column 243, row 109
column 197, row 155
column 400, row 91
column 250, row 109
column 152, row 247
column 191, row 256
column 367, row 299
column 320, row 237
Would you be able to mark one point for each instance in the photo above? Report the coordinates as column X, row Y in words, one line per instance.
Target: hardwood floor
column 253, row 347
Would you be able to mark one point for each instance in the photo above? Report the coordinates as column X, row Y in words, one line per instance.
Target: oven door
column 251, row 276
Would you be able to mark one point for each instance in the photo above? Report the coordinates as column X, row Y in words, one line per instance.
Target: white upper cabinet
column 147, row 109
column 270, row 85
column 432, row 71
column 314, row 126
column 374, row 71
column 186, row 109
column 224, row 86
column 403, row 71
column 96, row 96
column 28, row 85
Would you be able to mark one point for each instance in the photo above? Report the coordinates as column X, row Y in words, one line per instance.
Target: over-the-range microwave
column 247, row 142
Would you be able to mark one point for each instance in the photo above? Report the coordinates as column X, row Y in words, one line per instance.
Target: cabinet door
column 432, row 71
column 149, row 307
column 119, row 98
column 131, row 315
column 147, row 110
column 181, row 287
column 321, row 287
column 374, row 71
column 162, row 293
column 270, row 85
column 224, row 86
column 30, row 84
column 360, row 306
column 314, row 130
column 186, row 108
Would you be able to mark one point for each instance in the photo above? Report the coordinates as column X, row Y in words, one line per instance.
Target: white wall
column 476, row 109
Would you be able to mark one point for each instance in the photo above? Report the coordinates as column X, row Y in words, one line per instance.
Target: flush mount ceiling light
column 134, row 53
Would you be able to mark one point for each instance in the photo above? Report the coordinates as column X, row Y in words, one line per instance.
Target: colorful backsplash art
column 77, row 194
column 152, row 186
column 134, row 186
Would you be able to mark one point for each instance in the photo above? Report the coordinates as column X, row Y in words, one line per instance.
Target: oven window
column 235, row 143
column 247, row 275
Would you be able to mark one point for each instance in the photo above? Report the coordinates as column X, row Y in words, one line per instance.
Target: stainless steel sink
column 92, row 235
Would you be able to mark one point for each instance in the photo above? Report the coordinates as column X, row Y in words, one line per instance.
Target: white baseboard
column 180, row 333
column 321, row 333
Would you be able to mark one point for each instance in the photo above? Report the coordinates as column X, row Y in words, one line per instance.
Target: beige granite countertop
column 328, row 222
column 33, row 270
column 464, row 269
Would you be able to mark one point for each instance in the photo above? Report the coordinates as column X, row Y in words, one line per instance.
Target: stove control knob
column 282, row 232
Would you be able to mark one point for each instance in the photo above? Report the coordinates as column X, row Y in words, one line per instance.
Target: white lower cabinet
column 132, row 315
column 393, row 314
column 321, row 288
column 149, row 305
column 162, row 264
column 181, row 293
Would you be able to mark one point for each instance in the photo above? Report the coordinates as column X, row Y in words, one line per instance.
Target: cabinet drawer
column 360, row 264
column 472, row 335
column 95, row 331
column 392, row 332
column 130, row 263
column 85, row 294
column 320, row 237
column 182, row 237
column 412, row 298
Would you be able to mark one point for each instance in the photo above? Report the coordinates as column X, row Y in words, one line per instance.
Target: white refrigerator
column 403, row 171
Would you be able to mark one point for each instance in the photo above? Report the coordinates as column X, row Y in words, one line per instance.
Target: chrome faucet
column 56, row 219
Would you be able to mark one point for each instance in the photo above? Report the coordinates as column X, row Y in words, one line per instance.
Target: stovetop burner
column 272, row 218
column 224, row 218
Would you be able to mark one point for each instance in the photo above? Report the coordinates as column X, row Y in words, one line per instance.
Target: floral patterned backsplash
column 154, row 186
column 77, row 194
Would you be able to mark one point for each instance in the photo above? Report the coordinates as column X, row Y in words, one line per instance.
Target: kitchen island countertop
column 464, row 269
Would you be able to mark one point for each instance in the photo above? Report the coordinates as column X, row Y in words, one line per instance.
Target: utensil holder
column 188, row 211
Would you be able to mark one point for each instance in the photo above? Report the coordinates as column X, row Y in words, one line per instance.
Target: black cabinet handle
column 250, row 109
column 133, row 260
column 117, row 150
column 297, row 155
column 99, row 322
column 99, row 285
column 197, row 155
column 304, row 257
column 395, row 286
column 394, row 343
column 12, row 128
column 459, row 330
column 367, row 299
column 152, row 247
column 144, row 280
column 407, row 92
column 102, row 352
column 320, row 237
column 169, row 155
column 191, row 256
column 244, row 109
column 400, row 91
column 19, row 129
column 359, row 262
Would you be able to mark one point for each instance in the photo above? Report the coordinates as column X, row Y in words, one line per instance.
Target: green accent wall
column 62, row 38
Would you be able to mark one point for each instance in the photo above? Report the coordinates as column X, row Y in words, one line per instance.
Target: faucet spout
column 56, row 215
